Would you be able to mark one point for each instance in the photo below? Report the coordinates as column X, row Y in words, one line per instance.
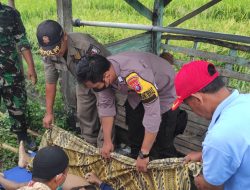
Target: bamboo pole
column 33, row 133
column 15, row 150
column 8, row 147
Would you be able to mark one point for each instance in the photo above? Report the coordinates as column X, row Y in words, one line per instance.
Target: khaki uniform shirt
column 145, row 78
column 78, row 45
column 35, row 186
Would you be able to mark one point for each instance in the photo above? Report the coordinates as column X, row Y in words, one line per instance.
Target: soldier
column 61, row 52
column 148, row 81
column 12, row 81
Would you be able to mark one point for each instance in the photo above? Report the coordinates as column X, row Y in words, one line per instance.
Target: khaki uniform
column 148, row 82
column 80, row 97
column 35, row 186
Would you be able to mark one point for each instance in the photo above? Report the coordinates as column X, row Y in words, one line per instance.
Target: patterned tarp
column 120, row 171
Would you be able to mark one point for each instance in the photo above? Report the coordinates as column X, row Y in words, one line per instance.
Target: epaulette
column 93, row 50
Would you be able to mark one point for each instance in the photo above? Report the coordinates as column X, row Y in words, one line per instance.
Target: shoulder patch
column 93, row 50
column 145, row 89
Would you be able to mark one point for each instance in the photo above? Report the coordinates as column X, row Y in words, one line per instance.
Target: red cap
column 192, row 77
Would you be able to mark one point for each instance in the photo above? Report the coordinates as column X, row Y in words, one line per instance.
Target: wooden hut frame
column 151, row 41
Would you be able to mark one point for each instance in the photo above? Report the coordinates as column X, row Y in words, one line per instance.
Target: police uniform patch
column 133, row 82
column 77, row 56
column 93, row 50
column 145, row 89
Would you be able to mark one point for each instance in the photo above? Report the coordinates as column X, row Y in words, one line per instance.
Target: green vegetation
column 228, row 16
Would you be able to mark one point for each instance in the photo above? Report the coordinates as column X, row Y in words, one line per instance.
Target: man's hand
column 201, row 184
column 106, row 149
column 31, row 75
column 93, row 179
column 193, row 156
column 48, row 120
column 141, row 164
column 107, row 125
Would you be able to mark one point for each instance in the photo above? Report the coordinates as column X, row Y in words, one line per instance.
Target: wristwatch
column 141, row 155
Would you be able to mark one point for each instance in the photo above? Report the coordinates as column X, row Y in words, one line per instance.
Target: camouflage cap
column 49, row 35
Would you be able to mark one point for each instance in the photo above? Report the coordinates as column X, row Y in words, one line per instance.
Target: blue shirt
column 226, row 148
column 105, row 186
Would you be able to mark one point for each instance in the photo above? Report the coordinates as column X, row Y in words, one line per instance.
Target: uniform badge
column 145, row 89
column 120, row 79
column 93, row 50
column 133, row 82
column 46, row 39
column 77, row 56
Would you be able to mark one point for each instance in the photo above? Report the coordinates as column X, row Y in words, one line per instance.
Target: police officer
column 61, row 51
column 12, row 81
column 148, row 81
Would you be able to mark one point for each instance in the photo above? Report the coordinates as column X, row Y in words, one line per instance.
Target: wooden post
column 64, row 14
column 8, row 147
column 11, row 3
column 139, row 7
column 157, row 21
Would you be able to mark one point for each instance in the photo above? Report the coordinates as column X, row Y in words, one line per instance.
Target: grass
column 228, row 16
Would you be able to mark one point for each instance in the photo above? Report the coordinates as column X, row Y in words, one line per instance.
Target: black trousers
column 164, row 143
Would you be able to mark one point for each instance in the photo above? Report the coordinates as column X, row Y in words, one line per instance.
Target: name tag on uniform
column 93, row 50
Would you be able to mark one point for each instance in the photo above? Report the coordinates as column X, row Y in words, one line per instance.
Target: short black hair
column 49, row 162
column 216, row 84
column 91, row 68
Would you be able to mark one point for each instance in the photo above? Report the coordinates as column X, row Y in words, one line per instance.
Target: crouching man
column 148, row 81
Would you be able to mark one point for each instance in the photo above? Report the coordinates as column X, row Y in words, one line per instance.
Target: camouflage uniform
column 12, row 83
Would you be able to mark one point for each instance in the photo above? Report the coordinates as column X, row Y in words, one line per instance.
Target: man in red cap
column 226, row 148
